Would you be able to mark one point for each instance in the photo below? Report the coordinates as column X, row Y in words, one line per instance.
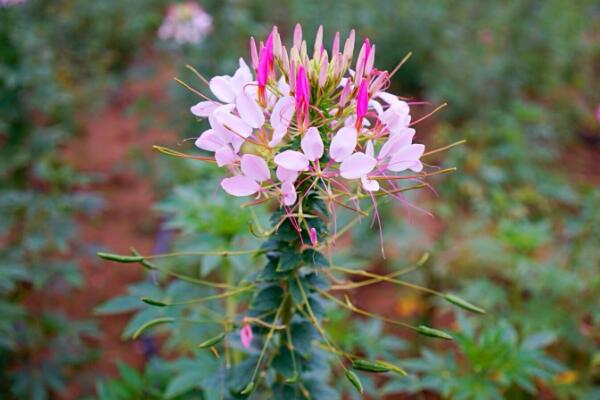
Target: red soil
column 127, row 219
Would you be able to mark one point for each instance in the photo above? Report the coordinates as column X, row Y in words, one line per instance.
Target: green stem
column 230, row 301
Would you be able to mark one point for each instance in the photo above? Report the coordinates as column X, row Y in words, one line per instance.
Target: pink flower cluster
column 294, row 123
column 185, row 23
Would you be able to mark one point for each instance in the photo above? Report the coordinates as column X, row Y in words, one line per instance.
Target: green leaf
column 314, row 258
column 248, row 389
column 268, row 298
column 183, row 383
column 289, row 260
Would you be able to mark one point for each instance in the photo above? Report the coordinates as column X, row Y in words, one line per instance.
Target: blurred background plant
column 515, row 229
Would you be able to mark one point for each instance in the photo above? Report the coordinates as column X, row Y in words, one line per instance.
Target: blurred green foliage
column 55, row 59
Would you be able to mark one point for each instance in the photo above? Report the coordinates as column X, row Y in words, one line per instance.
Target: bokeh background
column 86, row 89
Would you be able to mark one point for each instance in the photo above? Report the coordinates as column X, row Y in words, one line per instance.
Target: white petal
column 210, row 140
column 370, row 185
column 396, row 141
column 289, row 193
column 282, row 112
column 232, row 122
column 242, row 76
column 221, row 87
column 204, row 108
column 225, row 156
column 357, row 165
column 255, row 167
column 343, row 144
column 388, row 97
column 312, row 144
column 292, row 160
column 278, row 134
column 240, row 186
column 284, row 174
column 407, row 157
column 249, row 110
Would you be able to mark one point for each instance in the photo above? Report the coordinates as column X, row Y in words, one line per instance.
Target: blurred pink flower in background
column 7, row 3
column 246, row 336
column 598, row 113
column 185, row 23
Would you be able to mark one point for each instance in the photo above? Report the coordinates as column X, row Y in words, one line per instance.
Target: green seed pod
column 436, row 333
column 248, row 389
column 369, row 366
column 144, row 262
column 212, row 341
column 153, row 322
column 153, row 302
column 392, row 367
column 353, row 378
column 457, row 301
column 120, row 258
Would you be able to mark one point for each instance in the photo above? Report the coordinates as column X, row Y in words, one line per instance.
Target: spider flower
column 185, row 23
column 7, row 3
column 296, row 124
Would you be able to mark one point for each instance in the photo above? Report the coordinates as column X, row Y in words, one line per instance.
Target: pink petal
column 407, row 158
column 289, row 193
column 249, row 110
column 388, row 97
column 221, row 87
column 242, row 76
column 397, row 116
column 240, row 186
column 209, row 140
column 370, row 150
column 204, row 108
column 255, row 167
column 396, row 142
column 357, row 165
column 246, row 336
column 343, row 144
column 312, row 144
column 292, row 160
column 232, row 122
column 284, row 174
column 370, row 185
column 282, row 112
column 278, row 134
column 225, row 156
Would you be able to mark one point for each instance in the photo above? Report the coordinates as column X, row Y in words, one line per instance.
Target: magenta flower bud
column 302, row 94
column 362, row 100
column 313, row 236
column 246, row 336
column 265, row 65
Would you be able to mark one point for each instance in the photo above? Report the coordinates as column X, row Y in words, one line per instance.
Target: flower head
column 295, row 125
column 185, row 23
